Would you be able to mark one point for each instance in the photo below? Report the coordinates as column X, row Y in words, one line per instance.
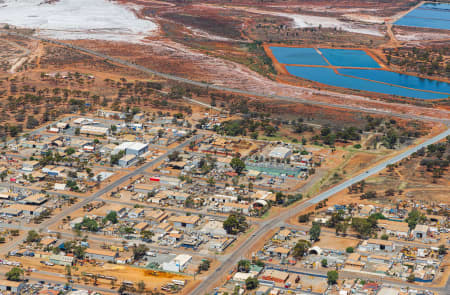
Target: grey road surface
column 67, row 212
column 276, row 221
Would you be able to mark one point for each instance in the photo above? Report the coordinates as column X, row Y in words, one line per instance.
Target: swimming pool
column 428, row 15
column 329, row 77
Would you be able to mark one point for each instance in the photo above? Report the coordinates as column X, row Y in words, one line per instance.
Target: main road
column 213, row 279
column 104, row 190
column 269, row 224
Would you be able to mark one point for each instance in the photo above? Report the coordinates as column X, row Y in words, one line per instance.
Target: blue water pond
column 399, row 79
column 349, row 58
column 329, row 77
column 298, row 56
column 428, row 15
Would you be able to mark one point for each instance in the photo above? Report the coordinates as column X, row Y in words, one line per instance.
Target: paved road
column 99, row 193
column 277, row 221
column 181, row 210
column 16, row 187
column 234, row 90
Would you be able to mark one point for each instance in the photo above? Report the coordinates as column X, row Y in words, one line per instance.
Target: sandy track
column 230, row 74
column 176, row 59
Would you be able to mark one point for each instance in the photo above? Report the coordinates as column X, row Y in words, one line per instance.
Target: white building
column 280, row 153
column 83, row 121
column 94, row 130
column 131, row 148
column 126, row 160
column 178, row 264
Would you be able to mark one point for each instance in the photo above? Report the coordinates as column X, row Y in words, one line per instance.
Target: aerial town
column 225, row 147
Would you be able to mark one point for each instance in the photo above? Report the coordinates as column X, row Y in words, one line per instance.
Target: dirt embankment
column 170, row 57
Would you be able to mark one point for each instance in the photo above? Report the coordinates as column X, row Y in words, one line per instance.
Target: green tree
column 235, row 223
column 314, row 232
column 32, row 122
column 300, row 248
column 414, row 218
column 15, row 274
column 332, row 277
column 238, row 165
column 204, row 265
column 79, row 251
column 115, row 158
column 70, row 151
column 211, row 182
column 147, row 235
column 362, row 226
column 324, row 262
column 349, row 250
column 411, row 278
column 33, row 236
column 442, row 249
column 251, row 283
column 87, row 223
column 341, row 227
column 139, row 251
column 112, row 217
column 244, row 265
column 3, row 175
column 384, row 237
column 303, row 218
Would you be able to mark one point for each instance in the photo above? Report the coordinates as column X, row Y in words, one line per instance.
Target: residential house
column 395, row 228
column 185, row 222
column 94, row 130
column 104, row 255
column 12, row 286
column 36, row 199
column 284, row 234
column 420, row 231
column 279, row 252
column 275, row 275
column 136, row 213
column 61, row 259
column 367, row 210
column 263, row 195
column 156, row 216
column 354, row 262
column 111, row 114
column 377, row 245
column 263, row 290
column 236, row 207
column 29, row 166
column 223, row 198
column 163, row 228
column 141, row 226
